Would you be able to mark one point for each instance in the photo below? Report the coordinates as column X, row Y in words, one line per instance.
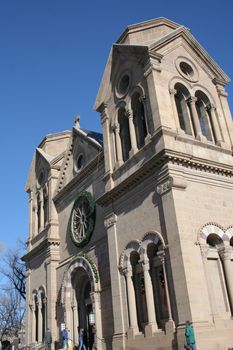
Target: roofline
column 146, row 25
column 47, row 137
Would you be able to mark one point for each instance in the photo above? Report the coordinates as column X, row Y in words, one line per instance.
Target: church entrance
column 81, row 301
column 84, row 309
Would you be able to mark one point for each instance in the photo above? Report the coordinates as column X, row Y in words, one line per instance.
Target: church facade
column 131, row 230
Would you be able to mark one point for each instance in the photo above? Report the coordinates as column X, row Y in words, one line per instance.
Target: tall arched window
column 45, row 206
column 140, row 293
column 124, row 133
column 203, row 114
column 38, row 212
column 181, row 97
column 139, row 119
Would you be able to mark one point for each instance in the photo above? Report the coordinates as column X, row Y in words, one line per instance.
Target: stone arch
column 210, row 228
column 229, row 234
column 90, row 269
column 125, row 256
column 199, row 87
column 179, row 80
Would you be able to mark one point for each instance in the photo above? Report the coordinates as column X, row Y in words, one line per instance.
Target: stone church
column 131, row 230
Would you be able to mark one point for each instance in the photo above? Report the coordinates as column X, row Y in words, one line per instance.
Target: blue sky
column 52, row 56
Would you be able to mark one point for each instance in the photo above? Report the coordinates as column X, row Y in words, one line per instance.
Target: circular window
column 79, row 162
column 82, row 219
column 187, row 69
column 123, row 84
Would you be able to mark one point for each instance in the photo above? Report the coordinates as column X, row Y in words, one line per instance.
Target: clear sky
column 52, row 55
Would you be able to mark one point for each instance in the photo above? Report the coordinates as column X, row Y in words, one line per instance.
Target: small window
column 186, row 69
column 123, row 84
column 79, row 162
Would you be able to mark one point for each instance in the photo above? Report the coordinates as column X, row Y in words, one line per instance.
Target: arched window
column 139, row 119
column 140, row 293
column 203, row 114
column 45, row 206
column 124, row 133
column 38, row 212
column 181, row 97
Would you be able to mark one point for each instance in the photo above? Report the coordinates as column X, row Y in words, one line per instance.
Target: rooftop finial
column 76, row 122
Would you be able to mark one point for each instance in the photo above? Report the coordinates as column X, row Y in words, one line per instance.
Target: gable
column 182, row 37
column 84, row 146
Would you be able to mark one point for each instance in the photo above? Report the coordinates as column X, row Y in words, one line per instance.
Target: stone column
column 35, row 228
column 196, row 122
column 107, row 144
column 226, row 121
column 216, row 130
column 161, row 254
column 39, row 304
column 173, row 93
column 75, row 323
column 152, row 324
column 30, row 228
column 118, row 305
column 133, row 323
column 33, row 320
column 119, row 155
column 132, row 132
column 95, row 297
column 144, row 102
column 226, row 255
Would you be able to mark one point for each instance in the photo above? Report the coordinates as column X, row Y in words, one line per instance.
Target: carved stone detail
column 110, row 220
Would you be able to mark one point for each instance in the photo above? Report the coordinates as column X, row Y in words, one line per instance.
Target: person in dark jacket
column 190, row 337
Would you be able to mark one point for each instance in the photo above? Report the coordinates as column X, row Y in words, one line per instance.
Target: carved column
column 216, row 130
column 144, row 102
column 41, row 210
column 161, row 254
column 196, row 122
column 107, row 143
column 30, row 229
column 75, row 323
column 152, row 324
column 35, row 217
column 40, row 319
column 225, row 112
column 173, row 93
column 226, row 255
column 95, row 297
column 33, row 320
column 133, row 323
column 132, row 132
column 119, row 154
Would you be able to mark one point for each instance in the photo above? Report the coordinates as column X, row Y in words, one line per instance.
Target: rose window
column 82, row 219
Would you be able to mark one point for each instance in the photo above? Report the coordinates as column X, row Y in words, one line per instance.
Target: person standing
column 48, row 339
column 65, row 338
column 190, row 337
column 81, row 343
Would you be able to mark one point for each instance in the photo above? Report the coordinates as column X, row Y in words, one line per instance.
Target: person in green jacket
column 190, row 337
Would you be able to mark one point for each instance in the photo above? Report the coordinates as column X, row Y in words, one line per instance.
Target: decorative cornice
column 156, row 162
column 42, row 247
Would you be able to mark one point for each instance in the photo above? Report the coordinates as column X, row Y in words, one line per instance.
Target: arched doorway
column 81, row 302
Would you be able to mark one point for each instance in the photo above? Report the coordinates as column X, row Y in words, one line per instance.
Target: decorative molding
column 164, row 187
column 172, row 182
column 110, row 220
column 155, row 163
